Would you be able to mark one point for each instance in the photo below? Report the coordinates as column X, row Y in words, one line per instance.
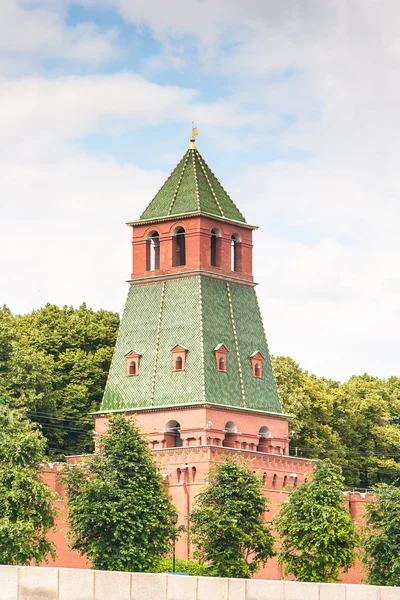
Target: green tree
column 56, row 364
column 229, row 532
column 381, row 536
column 26, row 510
column 310, row 400
column 120, row 515
column 317, row 534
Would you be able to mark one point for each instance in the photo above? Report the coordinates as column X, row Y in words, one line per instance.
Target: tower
column 191, row 360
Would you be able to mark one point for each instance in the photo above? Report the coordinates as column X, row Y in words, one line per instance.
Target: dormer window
column 178, row 358
column 221, row 355
column 132, row 363
column 257, row 364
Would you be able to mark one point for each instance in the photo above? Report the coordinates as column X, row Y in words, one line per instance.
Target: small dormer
column 132, row 363
column 257, row 360
column 179, row 358
column 221, row 355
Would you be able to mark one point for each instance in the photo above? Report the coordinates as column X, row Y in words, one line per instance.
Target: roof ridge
column 209, row 184
column 179, row 183
column 196, row 182
column 222, row 187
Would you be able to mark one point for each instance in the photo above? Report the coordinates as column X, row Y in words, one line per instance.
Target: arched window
column 178, row 364
column 274, row 480
column 173, row 434
column 230, row 427
column 284, row 481
column 153, row 252
column 194, row 474
column 214, row 249
column 257, row 370
column 230, row 435
column 264, row 432
column 179, row 257
column 132, row 368
column 235, row 253
column 263, row 435
column 222, row 364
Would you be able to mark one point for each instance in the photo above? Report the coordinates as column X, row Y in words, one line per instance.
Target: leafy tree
column 229, row 532
column 26, row 511
column 355, row 424
column 381, row 536
column 55, row 363
column 120, row 515
column 317, row 534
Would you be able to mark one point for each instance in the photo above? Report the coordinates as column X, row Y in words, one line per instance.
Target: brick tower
column 191, row 361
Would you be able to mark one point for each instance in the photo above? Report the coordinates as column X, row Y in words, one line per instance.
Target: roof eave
column 190, row 214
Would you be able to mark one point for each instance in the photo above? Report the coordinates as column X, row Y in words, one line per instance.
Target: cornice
column 198, row 405
column 197, row 273
column 187, row 215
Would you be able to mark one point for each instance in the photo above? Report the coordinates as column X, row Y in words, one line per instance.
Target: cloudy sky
column 297, row 106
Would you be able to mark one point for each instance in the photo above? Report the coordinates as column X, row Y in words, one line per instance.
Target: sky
column 297, row 107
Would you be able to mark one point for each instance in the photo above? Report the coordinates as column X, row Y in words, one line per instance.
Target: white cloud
column 30, row 32
column 318, row 78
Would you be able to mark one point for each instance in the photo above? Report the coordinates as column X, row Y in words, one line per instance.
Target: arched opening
column 264, row 436
column 257, row 371
column 132, row 368
column 284, row 481
column 230, row 434
column 194, row 470
column 222, row 364
column 215, row 247
column 172, row 434
column 178, row 364
column 178, row 474
column 235, row 253
column 179, row 250
column 264, row 478
column 274, row 480
column 153, row 251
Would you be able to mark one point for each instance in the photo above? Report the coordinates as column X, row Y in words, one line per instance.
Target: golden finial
column 192, row 139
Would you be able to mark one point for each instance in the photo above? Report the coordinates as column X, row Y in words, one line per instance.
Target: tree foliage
column 316, row 532
column 229, row 532
column 54, row 363
column 120, row 515
column 26, row 511
column 381, row 536
column 355, row 424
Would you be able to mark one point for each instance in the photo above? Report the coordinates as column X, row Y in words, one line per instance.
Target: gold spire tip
column 193, row 138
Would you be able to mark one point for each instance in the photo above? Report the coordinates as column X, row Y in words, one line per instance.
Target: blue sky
column 297, row 110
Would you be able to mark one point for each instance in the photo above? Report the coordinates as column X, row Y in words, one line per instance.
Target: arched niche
column 230, row 434
column 264, row 437
column 172, row 434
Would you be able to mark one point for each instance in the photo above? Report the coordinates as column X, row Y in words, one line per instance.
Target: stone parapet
column 39, row 583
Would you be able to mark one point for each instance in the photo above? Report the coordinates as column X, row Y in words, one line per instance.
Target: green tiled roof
column 192, row 188
column 198, row 313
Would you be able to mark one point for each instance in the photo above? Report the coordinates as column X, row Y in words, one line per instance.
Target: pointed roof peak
column 192, row 188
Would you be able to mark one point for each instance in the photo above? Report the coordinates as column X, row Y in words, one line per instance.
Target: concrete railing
column 43, row 583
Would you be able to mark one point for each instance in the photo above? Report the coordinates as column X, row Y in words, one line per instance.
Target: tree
column 26, row 510
column 229, row 532
column 381, row 536
column 120, row 515
column 54, row 362
column 317, row 534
